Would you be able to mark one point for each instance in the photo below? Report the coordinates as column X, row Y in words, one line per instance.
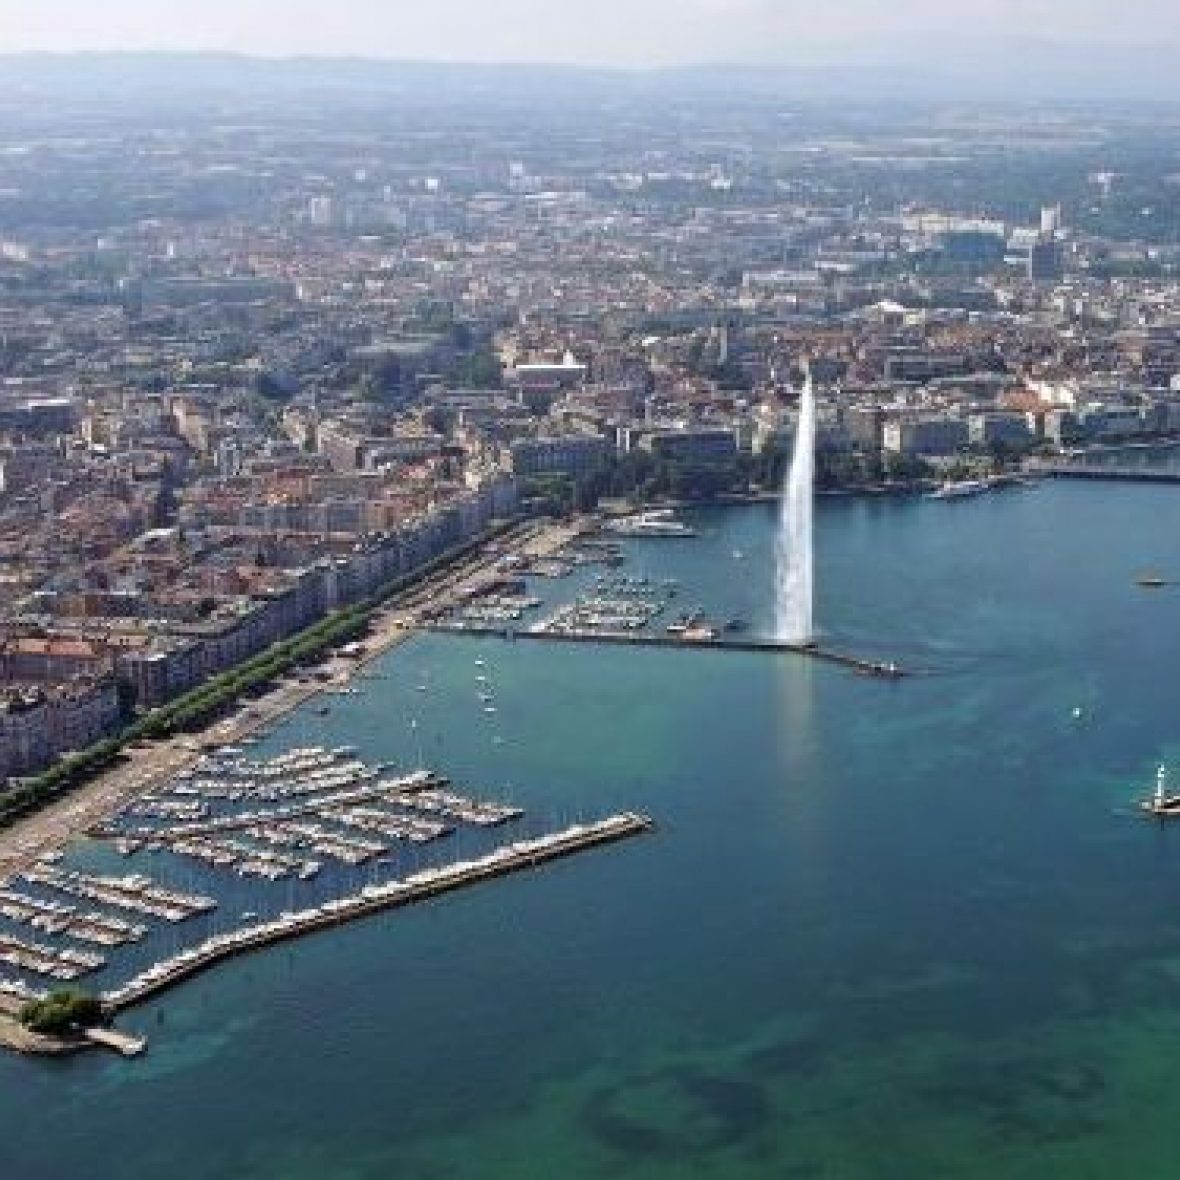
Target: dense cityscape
column 324, row 383
column 255, row 369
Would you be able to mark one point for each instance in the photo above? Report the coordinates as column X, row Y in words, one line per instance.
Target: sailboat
column 1162, row 803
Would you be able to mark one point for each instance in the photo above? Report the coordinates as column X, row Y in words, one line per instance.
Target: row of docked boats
column 373, row 897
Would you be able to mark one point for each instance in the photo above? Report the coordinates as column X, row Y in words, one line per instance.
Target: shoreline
column 15, row 1037
column 506, row 860
column 146, row 765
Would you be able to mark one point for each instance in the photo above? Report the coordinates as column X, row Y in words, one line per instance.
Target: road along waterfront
column 150, row 764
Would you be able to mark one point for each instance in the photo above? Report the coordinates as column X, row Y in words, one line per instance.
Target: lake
column 883, row 929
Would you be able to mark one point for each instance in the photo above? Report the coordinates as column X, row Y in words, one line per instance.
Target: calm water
column 884, row 929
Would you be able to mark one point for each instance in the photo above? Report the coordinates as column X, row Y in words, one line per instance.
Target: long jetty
column 811, row 651
column 512, row 858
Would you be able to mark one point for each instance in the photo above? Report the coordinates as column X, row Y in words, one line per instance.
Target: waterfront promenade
column 1114, row 473
column 142, row 768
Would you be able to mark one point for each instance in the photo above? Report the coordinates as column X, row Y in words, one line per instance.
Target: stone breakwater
column 510, row 858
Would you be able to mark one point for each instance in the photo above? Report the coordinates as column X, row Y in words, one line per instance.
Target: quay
column 511, row 858
column 1123, row 474
column 863, row 667
column 111, row 1038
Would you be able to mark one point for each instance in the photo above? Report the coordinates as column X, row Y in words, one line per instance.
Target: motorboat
column 959, row 489
column 655, row 523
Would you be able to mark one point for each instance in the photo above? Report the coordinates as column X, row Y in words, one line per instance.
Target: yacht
column 659, row 522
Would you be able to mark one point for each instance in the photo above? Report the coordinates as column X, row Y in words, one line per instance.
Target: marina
column 523, row 854
column 239, row 850
column 321, row 821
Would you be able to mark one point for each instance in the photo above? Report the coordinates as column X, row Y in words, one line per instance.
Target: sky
column 628, row 33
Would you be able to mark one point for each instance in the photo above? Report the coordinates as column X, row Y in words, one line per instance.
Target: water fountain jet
column 794, row 605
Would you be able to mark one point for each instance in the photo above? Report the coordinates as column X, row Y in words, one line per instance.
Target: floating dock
column 511, row 858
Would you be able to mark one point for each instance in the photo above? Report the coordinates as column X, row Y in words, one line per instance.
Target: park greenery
column 62, row 1012
column 643, row 478
column 216, row 696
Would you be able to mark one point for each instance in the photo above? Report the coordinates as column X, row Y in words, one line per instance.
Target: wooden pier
column 812, row 651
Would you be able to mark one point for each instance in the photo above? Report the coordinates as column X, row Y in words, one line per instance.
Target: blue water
column 884, row 929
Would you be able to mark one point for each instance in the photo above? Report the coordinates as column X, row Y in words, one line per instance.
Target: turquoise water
column 883, row 930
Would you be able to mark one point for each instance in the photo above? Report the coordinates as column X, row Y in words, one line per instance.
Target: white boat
column 959, row 489
column 658, row 522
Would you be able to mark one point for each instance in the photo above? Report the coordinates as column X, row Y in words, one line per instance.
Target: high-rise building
column 1045, row 260
column 321, row 210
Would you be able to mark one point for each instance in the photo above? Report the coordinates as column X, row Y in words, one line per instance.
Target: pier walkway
column 863, row 667
column 512, row 858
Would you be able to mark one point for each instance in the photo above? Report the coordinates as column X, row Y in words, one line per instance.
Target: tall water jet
column 793, row 549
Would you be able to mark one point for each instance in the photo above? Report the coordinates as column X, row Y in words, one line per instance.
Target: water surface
column 883, row 929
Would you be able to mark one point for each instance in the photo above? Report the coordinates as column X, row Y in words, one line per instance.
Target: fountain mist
column 793, row 550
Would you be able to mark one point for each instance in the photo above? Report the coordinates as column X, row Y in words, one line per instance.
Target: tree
column 64, row 1010
column 478, row 370
column 384, row 381
column 439, row 420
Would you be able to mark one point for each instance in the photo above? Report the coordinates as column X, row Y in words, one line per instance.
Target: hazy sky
column 616, row 32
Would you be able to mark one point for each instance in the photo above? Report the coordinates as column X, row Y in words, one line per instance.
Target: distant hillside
column 1013, row 70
